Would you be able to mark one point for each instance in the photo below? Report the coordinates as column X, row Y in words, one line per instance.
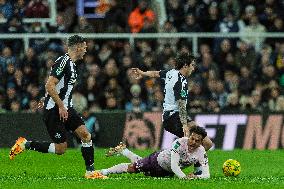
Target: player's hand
column 137, row 73
column 40, row 103
column 191, row 176
column 63, row 113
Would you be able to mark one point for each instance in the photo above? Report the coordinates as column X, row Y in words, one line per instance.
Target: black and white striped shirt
column 175, row 88
column 65, row 71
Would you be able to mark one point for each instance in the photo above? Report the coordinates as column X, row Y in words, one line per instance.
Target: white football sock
column 119, row 168
column 51, row 148
column 130, row 155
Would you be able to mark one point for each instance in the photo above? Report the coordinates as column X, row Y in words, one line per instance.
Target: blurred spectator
column 19, row 8
column 135, row 105
column 79, row 101
column 213, row 106
column 158, row 99
column 6, row 9
column 14, row 25
column 210, row 22
column 190, row 24
column 15, row 106
column 227, row 25
column 248, row 14
column 60, row 25
column 138, row 16
column 274, row 98
column 191, row 7
column 168, row 28
column 6, row 58
column 254, row 27
column 255, row 102
column 267, row 17
column 11, row 95
column 278, row 26
column 230, row 6
column 113, row 89
column 280, row 103
column 111, row 103
column 232, row 104
column 115, row 18
column 245, row 56
column 175, row 12
column 83, row 26
column 246, row 81
column 37, row 9
column 197, row 101
column 279, row 60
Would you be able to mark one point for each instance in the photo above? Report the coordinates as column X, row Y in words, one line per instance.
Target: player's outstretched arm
column 139, row 73
column 174, row 165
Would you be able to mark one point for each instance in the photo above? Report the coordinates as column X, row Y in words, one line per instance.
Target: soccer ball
column 231, row 167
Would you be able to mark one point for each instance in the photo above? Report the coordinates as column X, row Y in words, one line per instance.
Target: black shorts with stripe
column 57, row 129
column 172, row 123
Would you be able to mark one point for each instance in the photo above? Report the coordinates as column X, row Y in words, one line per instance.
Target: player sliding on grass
column 184, row 152
column 59, row 115
column 175, row 83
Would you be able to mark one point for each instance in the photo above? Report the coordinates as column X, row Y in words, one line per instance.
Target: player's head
column 196, row 136
column 185, row 61
column 77, row 45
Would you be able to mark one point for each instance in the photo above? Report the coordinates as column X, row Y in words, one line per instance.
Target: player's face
column 194, row 141
column 191, row 67
column 82, row 49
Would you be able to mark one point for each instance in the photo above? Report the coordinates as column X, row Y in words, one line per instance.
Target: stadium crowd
column 240, row 74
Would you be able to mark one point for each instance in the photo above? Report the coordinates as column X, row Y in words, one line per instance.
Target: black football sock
column 38, row 146
column 88, row 155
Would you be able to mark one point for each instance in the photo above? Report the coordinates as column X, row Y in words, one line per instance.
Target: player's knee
column 60, row 148
column 131, row 168
column 85, row 136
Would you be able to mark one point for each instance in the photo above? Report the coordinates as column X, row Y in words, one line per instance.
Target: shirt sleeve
column 203, row 170
column 58, row 68
column 175, row 165
column 162, row 74
column 179, row 92
column 175, row 157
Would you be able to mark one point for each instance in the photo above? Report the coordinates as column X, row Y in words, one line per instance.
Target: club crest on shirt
column 59, row 70
column 177, row 144
column 183, row 93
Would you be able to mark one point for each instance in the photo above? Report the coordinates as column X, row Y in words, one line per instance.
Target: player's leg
column 172, row 124
column 121, row 149
column 141, row 165
column 119, row 168
column 76, row 124
column 56, row 131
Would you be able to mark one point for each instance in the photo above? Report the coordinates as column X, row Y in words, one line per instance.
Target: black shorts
column 57, row 129
column 172, row 123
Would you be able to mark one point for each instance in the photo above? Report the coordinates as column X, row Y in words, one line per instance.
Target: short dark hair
column 74, row 40
column 183, row 59
column 198, row 130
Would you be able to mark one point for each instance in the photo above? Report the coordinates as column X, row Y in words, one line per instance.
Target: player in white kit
column 184, row 152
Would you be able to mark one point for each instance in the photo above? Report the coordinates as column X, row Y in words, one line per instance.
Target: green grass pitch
column 260, row 169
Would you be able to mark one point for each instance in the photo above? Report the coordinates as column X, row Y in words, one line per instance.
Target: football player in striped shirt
column 175, row 84
column 59, row 115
